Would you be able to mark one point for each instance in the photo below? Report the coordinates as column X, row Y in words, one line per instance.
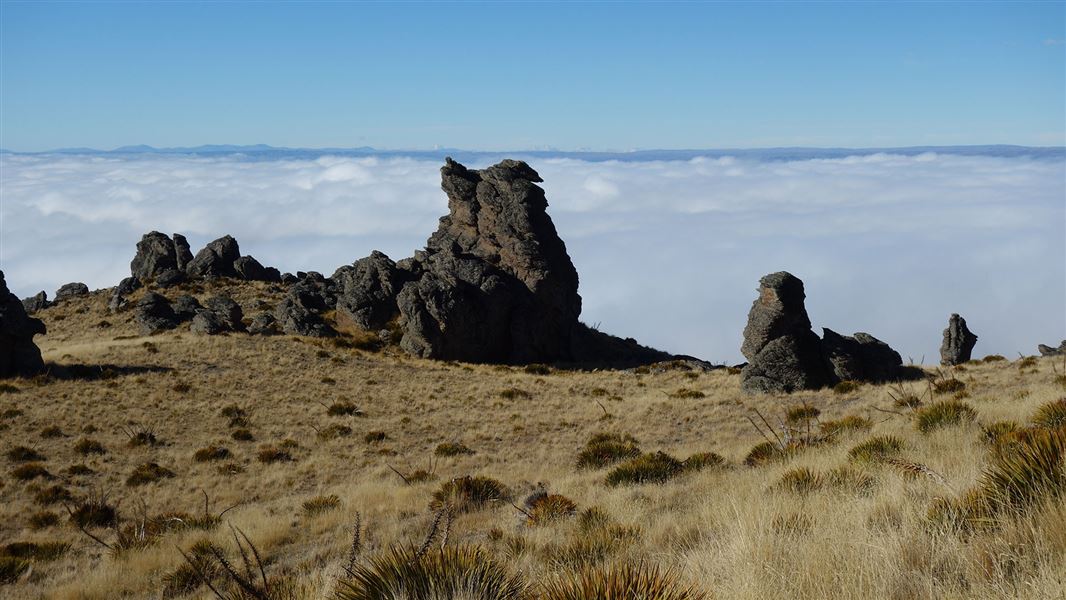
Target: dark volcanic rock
column 263, row 324
column 155, row 254
column 182, row 252
column 958, row 342
column 860, row 358
column 154, row 314
column 295, row 318
column 170, row 278
column 185, row 307
column 216, row 259
column 495, row 283
column 19, row 356
column 1049, row 351
column 367, row 291
column 71, row 290
column 35, row 303
column 250, row 269
column 783, row 353
column 207, row 323
column 220, row 314
column 124, row 288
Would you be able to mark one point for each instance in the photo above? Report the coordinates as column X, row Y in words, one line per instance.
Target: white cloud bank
column 668, row 252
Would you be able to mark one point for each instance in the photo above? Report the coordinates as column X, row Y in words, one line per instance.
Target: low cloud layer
column 668, row 252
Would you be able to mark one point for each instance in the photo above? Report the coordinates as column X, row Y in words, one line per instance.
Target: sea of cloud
column 669, row 252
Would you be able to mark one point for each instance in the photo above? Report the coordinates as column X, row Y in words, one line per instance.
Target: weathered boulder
column 367, row 291
column 296, row 318
column 170, row 278
column 19, row 356
column 155, row 254
column 783, row 353
column 154, row 314
column 124, row 288
column 35, row 303
column 263, row 324
column 250, row 269
column 216, row 259
column 860, row 358
column 227, row 310
column 185, row 307
column 207, row 323
column 182, row 252
column 71, row 290
column 495, row 283
column 958, row 342
column 1049, row 351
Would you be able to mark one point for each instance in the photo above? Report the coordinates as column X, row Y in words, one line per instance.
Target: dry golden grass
column 731, row 531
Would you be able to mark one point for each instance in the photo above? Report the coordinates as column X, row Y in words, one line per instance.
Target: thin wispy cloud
column 669, row 252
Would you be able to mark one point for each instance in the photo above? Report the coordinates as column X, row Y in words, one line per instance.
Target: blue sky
column 530, row 75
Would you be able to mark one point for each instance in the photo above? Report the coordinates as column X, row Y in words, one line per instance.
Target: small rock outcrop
column 154, row 314
column 215, row 259
column 783, row 354
column 250, row 269
column 220, row 314
column 71, row 290
column 1049, row 351
column 182, row 252
column 35, row 303
column 958, row 342
column 263, row 324
column 298, row 313
column 185, row 307
column 124, row 288
column 157, row 253
column 367, row 291
column 19, row 356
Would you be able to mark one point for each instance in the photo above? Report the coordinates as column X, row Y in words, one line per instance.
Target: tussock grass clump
column 945, row 413
column 657, row 467
column 465, row 572
column 238, row 417
column 333, row 431
column 592, row 518
column 321, row 504
column 87, row 446
column 30, row 471
column 549, row 508
column 605, row 449
column 24, row 454
column 343, row 408
column 621, row 582
column 35, row 551
column 791, row 524
column 52, row 431
column 468, row 494
column 1051, row 415
column 199, row 567
column 702, row 460
column 876, row 449
column 1026, row 362
column 1000, row 431
column 687, row 394
column 79, row 470
column 7, row 388
column 994, row 358
column 43, row 520
column 801, row 414
column 373, row 437
column 948, row 386
column 764, row 453
column 801, row 481
column 592, row 546
column 210, row 453
column 94, row 510
column 848, row 478
column 537, row 369
column 148, row 472
column 242, row 435
column 846, row 387
column 53, row 494
column 11, row 413
column 272, row 454
column 514, row 394
column 452, row 449
column 845, row 425
column 11, row 569
column 1035, row 469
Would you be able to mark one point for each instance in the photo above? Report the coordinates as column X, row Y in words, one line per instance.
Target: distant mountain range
column 265, row 152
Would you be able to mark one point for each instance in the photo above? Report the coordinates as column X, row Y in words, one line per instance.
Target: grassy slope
column 724, row 529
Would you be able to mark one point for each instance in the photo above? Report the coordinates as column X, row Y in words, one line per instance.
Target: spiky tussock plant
column 605, row 449
column 801, row 481
column 549, row 508
column 999, row 430
column 621, row 582
column 945, row 413
column 850, row 479
column 467, row 494
column 1051, row 415
column 647, row 468
column 12, row 568
column 876, row 449
column 465, row 572
column 1035, row 469
column 845, row 424
column 763, row 453
column 321, row 504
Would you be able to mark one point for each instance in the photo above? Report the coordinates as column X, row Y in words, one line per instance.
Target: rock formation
column 35, row 303
column 154, row 314
column 784, row 355
column 215, row 259
column 1049, row 351
column 299, row 311
column 157, row 254
column 958, row 342
column 494, row 283
column 124, row 288
column 18, row 354
column 168, row 261
column 71, row 290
